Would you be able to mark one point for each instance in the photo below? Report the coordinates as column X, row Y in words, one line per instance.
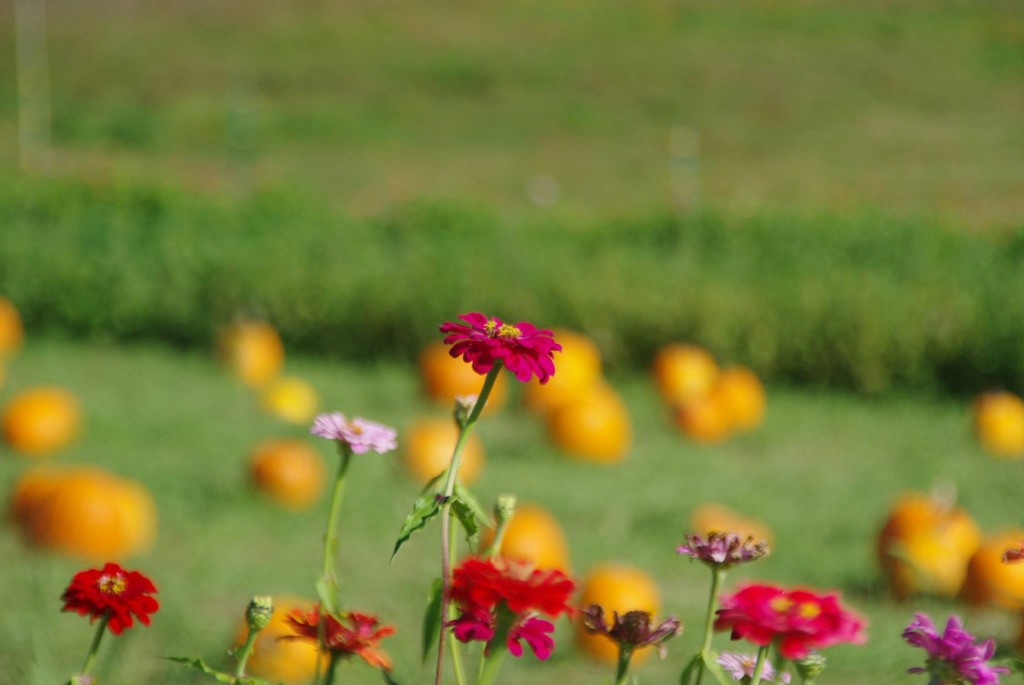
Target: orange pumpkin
column 684, row 372
column 999, row 423
column 291, row 399
column 41, row 420
column 252, row 350
column 444, row 377
column 924, row 546
column 710, row 517
column 704, row 419
column 577, row 371
column 428, row 446
column 741, row 393
column 12, row 335
column 534, row 535
column 292, row 662
column 592, row 427
column 621, row 588
column 91, row 513
column 989, row 580
column 290, row 472
column 31, row 488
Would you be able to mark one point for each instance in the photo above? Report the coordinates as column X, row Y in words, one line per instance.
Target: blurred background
column 826, row 195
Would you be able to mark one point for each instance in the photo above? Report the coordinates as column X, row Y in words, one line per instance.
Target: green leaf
column 432, row 617
column 327, row 591
column 220, row 676
column 1015, row 665
column 715, row 668
column 424, row 508
column 690, row 672
column 387, row 677
column 465, row 496
column 469, row 523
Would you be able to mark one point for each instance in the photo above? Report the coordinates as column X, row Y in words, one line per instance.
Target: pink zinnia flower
column 114, row 592
column 360, row 435
column 800, row 620
column 741, row 666
column 526, row 350
column 954, row 658
column 723, row 550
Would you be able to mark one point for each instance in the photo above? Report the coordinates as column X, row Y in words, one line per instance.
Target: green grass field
column 821, row 471
column 912, row 108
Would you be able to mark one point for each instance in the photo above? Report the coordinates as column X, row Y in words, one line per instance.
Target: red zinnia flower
column 801, row 620
column 362, row 638
column 111, row 591
column 483, row 583
column 526, row 350
column 483, row 586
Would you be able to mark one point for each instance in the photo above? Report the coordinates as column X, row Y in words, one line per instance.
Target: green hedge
column 866, row 302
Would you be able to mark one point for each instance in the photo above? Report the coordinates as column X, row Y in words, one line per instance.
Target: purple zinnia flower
column 723, row 550
column 526, row 350
column 360, row 435
column 632, row 630
column 1014, row 554
column 741, row 666
column 953, row 657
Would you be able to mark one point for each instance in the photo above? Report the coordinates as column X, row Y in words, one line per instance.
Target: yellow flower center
column 505, row 331
column 808, row 610
column 112, row 585
column 781, row 605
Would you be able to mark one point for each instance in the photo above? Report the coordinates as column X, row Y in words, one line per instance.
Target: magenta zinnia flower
column 954, row 658
column 800, row 620
column 526, row 350
column 723, row 550
column 360, row 435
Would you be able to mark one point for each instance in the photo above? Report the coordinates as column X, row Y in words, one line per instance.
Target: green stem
column 622, row 670
column 717, row 577
column 329, row 576
column 332, row 666
column 762, row 659
column 460, row 675
column 449, row 487
column 95, row 646
column 245, row 651
column 491, row 662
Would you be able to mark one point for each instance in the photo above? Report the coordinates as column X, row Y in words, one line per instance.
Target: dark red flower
column 360, row 637
column 801, row 620
column 526, row 350
column 111, row 591
column 483, row 583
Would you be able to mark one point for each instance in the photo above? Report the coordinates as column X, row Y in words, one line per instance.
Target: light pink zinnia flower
column 526, row 350
column 741, row 666
column 360, row 435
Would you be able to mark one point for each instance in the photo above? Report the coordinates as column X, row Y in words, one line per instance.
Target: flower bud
column 464, row 407
column 258, row 613
column 505, row 507
column 810, row 667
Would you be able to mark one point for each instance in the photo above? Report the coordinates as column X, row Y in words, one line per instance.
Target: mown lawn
column 821, row 471
column 913, row 107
